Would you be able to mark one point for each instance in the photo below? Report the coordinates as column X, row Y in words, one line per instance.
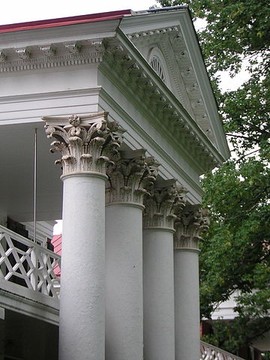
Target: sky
column 14, row 11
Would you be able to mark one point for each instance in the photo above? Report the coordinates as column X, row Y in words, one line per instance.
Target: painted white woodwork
column 28, row 108
column 16, row 263
column 142, row 132
column 176, row 39
column 2, row 313
column 29, row 302
column 159, row 335
column 85, row 144
column 85, row 67
column 124, row 287
column 44, row 230
column 127, row 185
column 158, row 270
column 187, row 317
column 192, row 221
column 82, row 305
column 210, row 352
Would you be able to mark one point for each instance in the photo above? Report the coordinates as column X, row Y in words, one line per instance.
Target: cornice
column 185, row 83
column 171, row 42
column 38, row 57
column 156, row 146
column 123, row 61
column 145, row 28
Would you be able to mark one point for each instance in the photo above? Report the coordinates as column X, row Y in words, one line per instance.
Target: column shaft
column 159, row 335
column 192, row 221
column 124, row 293
column 187, row 317
column 82, row 305
column 86, row 143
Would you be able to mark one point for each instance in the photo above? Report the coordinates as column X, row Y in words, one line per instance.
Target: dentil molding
column 52, row 55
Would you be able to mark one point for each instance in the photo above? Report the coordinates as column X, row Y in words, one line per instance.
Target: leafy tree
column 236, row 252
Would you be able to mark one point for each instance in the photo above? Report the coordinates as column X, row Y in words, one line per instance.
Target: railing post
column 34, row 263
column 210, row 352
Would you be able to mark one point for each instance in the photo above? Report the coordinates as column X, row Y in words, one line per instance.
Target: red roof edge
column 73, row 20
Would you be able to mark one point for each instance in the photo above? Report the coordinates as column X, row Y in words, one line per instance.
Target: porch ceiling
column 16, row 174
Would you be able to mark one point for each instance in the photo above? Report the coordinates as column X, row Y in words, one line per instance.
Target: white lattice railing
column 28, row 264
column 210, row 352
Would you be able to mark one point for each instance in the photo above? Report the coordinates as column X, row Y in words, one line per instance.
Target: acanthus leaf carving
column 191, row 223
column 85, row 142
column 131, row 177
column 163, row 203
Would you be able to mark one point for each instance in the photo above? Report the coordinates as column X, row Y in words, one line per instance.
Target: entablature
column 51, row 55
column 124, row 65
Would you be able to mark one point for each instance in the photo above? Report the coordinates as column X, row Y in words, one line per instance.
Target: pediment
column 167, row 54
column 169, row 44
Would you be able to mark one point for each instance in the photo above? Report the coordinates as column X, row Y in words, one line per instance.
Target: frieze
column 51, row 56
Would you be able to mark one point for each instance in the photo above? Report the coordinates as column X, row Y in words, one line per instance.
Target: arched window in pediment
column 157, row 61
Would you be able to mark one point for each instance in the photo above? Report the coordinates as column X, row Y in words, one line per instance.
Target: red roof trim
column 73, row 20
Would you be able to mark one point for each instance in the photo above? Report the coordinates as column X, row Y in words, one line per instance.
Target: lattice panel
column 28, row 264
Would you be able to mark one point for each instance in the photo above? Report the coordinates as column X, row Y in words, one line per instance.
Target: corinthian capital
column 86, row 142
column 166, row 199
column 131, row 177
column 191, row 222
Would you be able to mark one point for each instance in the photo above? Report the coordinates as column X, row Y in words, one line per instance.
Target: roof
column 73, row 20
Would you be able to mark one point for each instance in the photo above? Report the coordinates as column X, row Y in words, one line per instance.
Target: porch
column 29, row 299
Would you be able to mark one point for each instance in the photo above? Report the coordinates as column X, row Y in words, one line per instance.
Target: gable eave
column 162, row 98
column 144, row 23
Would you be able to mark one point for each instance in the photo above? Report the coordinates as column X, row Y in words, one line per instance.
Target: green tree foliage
column 235, row 255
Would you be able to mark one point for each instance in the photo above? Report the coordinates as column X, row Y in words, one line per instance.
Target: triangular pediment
column 168, row 42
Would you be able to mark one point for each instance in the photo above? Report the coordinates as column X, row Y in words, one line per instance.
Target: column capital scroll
column 131, row 177
column 191, row 222
column 161, row 205
column 87, row 142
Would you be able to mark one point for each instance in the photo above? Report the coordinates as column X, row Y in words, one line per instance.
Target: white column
column 82, row 304
column 124, row 286
column 186, row 270
column 158, row 271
